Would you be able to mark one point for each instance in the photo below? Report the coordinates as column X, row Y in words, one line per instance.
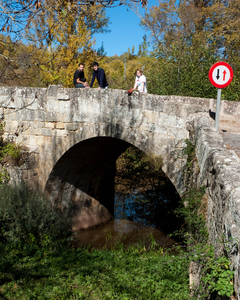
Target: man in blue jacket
column 100, row 75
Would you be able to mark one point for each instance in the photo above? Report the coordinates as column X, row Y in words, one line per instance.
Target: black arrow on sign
column 217, row 74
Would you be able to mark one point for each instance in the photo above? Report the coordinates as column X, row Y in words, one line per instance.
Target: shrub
column 27, row 216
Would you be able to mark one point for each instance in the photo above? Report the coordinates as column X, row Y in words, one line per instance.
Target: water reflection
column 149, row 208
column 144, row 204
column 121, row 231
column 136, row 220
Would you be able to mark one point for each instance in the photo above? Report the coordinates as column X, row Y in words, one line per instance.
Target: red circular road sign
column 220, row 75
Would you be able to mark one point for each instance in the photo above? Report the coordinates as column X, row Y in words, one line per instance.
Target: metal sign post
column 218, row 108
column 220, row 75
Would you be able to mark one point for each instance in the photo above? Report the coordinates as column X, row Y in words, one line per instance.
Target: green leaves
column 188, row 38
column 101, row 274
column 218, row 276
column 27, row 217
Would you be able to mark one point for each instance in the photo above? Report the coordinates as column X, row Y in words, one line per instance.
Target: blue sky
column 125, row 31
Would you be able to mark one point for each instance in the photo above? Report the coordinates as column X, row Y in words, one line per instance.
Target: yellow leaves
column 62, row 31
column 6, row 53
column 223, row 21
column 69, row 38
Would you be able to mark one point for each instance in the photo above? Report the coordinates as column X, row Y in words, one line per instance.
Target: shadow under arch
column 85, row 177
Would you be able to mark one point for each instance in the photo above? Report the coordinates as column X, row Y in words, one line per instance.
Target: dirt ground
column 230, row 126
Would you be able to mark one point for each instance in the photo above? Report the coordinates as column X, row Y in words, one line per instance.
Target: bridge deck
column 230, row 132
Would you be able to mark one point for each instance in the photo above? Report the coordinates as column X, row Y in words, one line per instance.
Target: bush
column 27, row 216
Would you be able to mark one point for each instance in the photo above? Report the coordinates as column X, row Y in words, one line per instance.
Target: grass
column 99, row 274
column 36, row 261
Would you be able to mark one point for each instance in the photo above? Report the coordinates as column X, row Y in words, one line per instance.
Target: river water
column 134, row 223
column 123, row 232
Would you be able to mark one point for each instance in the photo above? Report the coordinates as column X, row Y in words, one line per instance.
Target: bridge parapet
column 220, row 174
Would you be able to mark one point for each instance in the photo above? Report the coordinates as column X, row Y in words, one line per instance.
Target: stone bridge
column 74, row 136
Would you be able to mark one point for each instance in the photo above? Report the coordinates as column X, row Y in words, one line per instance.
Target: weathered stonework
column 74, row 137
column 220, row 173
column 67, row 129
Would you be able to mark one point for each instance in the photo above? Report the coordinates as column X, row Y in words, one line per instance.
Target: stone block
column 154, row 103
column 60, row 125
column 40, row 140
column 49, row 124
column 46, row 131
column 52, row 91
column 72, row 126
column 150, row 116
column 63, row 107
column 41, row 116
column 32, row 140
column 48, row 148
column 32, row 173
column 34, row 131
column 52, row 116
column 26, row 115
column 229, row 107
column 63, row 94
column 61, row 133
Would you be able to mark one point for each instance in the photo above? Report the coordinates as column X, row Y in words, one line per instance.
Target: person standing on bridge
column 140, row 81
column 79, row 80
column 100, row 75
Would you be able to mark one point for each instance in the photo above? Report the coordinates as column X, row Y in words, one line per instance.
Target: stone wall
column 220, row 173
column 68, row 133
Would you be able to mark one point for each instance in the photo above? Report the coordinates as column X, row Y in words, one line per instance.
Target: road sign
column 220, row 75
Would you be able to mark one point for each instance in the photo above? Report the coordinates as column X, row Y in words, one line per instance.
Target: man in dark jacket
column 100, row 75
column 79, row 80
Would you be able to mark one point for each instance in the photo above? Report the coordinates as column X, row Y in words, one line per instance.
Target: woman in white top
column 140, row 81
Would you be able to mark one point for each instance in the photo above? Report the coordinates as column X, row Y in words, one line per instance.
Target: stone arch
column 84, row 175
column 169, row 148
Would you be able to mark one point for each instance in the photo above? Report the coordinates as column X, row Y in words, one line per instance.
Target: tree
column 15, row 15
column 19, row 66
column 63, row 36
column 143, row 47
column 187, row 40
column 17, row 18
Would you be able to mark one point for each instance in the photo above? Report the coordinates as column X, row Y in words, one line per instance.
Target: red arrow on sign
column 224, row 74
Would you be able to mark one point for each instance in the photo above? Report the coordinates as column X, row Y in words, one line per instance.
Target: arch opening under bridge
column 84, row 177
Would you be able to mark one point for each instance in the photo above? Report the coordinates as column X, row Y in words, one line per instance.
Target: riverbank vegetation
column 38, row 259
column 10, row 153
column 64, row 273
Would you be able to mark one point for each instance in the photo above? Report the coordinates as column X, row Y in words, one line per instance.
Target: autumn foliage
column 187, row 38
